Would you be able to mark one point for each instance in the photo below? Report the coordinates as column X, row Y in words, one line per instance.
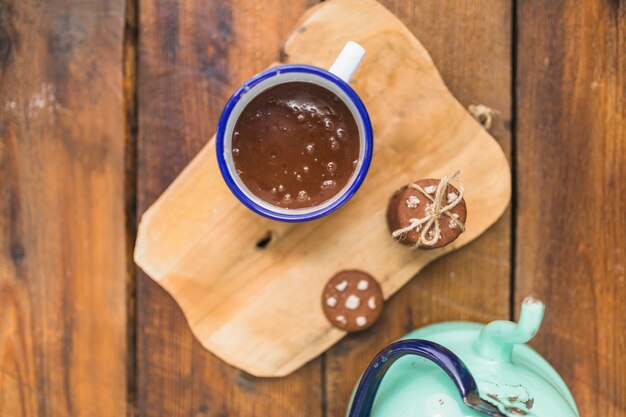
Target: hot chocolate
column 295, row 145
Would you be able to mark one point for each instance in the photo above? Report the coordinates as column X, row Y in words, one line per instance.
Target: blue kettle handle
column 443, row 357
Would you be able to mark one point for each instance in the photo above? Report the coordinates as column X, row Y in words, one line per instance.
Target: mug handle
column 441, row 356
column 348, row 61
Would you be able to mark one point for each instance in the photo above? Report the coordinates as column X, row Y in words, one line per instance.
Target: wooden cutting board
column 258, row 306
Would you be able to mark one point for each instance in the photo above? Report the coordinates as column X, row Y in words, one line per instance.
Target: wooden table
column 102, row 103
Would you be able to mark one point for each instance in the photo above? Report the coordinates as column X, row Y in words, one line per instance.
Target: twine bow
column 434, row 212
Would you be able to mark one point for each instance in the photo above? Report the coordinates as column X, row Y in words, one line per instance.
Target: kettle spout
column 497, row 338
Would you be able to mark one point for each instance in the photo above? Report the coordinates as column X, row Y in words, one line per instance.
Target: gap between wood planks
column 513, row 204
column 131, row 31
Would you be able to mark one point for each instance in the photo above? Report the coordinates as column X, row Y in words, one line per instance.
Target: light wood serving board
column 259, row 309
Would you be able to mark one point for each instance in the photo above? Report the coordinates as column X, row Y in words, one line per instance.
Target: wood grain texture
column 63, row 241
column 470, row 45
column 192, row 55
column 62, row 258
column 571, row 157
column 199, row 243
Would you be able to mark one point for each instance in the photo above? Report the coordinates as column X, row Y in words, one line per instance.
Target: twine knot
column 433, row 213
column 483, row 114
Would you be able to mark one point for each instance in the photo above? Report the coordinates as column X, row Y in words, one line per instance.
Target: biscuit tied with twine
column 434, row 212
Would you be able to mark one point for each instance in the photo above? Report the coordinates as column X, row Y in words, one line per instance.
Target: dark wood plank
column 192, row 55
column 470, row 43
column 571, row 154
column 63, row 260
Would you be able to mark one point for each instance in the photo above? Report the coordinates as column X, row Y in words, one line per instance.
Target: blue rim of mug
column 295, row 216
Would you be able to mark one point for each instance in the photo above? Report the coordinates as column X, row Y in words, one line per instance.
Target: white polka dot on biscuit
column 361, row 321
column 430, row 189
column 371, row 303
column 341, row 319
column 353, row 302
column 331, row 301
column 412, row 202
column 342, row 285
column 363, row 285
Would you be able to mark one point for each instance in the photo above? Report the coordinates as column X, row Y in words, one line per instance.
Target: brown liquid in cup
column 295, row 145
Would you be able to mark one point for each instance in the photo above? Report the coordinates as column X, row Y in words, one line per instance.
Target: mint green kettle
column 461, row 369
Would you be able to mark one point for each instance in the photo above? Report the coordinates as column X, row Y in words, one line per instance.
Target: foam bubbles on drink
column 301, row 140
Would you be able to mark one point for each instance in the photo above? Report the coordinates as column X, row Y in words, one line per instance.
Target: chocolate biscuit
column 352, row 300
